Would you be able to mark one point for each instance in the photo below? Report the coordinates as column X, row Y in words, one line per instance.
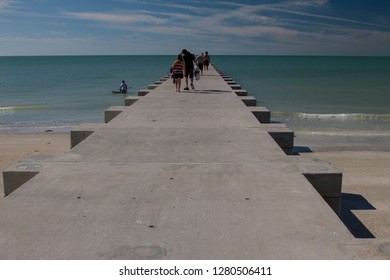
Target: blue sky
column 273, row 27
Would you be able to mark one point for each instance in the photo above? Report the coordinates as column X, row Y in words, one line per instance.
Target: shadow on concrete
column 351, row 202
column 301, row 149
column 213, row 91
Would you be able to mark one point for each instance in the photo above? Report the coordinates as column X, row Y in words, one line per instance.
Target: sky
column 154, row 27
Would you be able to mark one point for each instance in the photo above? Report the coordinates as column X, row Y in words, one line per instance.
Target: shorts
column 189, row 72
column 177, row 76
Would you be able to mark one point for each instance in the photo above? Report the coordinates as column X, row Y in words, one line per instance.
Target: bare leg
column 178, row 84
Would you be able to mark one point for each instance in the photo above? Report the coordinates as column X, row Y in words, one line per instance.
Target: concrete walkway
column 190, row 175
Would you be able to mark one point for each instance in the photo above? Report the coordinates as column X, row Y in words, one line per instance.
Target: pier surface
column 199, row 174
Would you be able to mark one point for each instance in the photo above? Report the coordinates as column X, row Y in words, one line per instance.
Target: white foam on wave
column 336, row 116
column 10, row 108
column 344, row 116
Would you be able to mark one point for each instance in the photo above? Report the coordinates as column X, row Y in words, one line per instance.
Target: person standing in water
column 123, row 87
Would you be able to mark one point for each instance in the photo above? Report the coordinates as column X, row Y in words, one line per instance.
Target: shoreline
column 363, row 161
column 327, row 142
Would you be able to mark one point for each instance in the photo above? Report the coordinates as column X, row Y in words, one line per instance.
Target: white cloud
column 4, row 4
column 292, row 27
column 116, row 17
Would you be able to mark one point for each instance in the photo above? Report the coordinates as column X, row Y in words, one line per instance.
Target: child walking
column 178, row 72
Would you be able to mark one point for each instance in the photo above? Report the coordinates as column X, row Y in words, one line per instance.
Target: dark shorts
column 200, row 66
column 189, row 72
column 177, row 75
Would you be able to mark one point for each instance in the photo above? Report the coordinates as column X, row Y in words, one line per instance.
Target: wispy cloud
column 257, row 26
column 4, row 4
column 115, row 17
column 282, row 21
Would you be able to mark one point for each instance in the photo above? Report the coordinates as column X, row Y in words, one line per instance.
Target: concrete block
column 131, row 100
column 262, row 114
column 326, row 184
column 249, row 100
column 143, row 92
column 282, row 135
column 241, row 92
column 235, row 87
column 112, row 112
column 158, row 82
column 285, row 139
column 77, row 136
column 327, row 181
column 163, row 79
column 152, row 86
column 229, row 82
column 334, row 203
column 287, row 151
column 14, row 179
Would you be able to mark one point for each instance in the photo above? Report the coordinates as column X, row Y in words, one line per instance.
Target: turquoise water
column 320, row 94
column 310, row 94
column 63, row 91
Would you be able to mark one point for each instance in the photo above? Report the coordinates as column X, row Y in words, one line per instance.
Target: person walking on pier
column 206, row 60
column 189, row 67
column 178, row 71
column 199, row 62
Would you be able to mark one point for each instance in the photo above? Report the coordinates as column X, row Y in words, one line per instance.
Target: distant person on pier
column 199, row 62
column 123, row 87
column 189, row 60
column 206, row 60
column 178, row 71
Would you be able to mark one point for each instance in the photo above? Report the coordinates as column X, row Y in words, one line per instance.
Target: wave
column 25, row 108
column 338, row 116
column 10, row 108
column 359, row 133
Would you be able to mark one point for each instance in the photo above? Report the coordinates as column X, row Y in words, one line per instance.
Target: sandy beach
column 364, row 160
column 366, row 175
column 17, row 147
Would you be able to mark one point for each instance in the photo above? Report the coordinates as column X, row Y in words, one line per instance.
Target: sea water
column 318, row 94
column 311, row 94
column 60, row 92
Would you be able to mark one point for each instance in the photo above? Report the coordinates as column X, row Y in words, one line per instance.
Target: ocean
column 311, row 94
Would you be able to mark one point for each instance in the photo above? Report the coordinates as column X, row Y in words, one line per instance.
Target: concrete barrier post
column 77, row 136
column 262, row 114
column 14, row 179
column 112, row 112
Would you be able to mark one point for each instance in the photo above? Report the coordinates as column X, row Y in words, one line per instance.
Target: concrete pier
column 190, row 175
